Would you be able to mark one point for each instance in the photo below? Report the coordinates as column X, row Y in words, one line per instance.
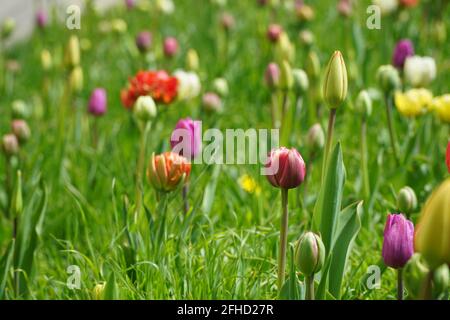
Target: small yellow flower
column 413, row 102
column 249, row 184
column 441, row 105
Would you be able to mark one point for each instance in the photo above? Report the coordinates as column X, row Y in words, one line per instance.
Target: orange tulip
column 167, row 170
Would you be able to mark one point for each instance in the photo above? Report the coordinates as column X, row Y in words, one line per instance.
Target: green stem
column 283, row 238
column 391, row 128
column 400, row 284
column 426, row 293
column 185, row 198
column 309, row 281
column 331, row 121
column 275, row 122
column 364, row 164
column 140, row 168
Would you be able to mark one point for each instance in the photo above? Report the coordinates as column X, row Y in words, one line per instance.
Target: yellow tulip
column 441, row 105
column 413, row 102
column 432, row 237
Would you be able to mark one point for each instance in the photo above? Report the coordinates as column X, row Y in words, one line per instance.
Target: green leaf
column 348, row 227
column 210, row 191
column 111, row 292
column 328, row 204
column 5, row 266
column 323, row 284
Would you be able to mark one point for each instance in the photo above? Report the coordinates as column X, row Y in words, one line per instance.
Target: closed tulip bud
column 386, row 6
column 406, row 200
column 130, row 4
column 316, row 137
column 97, row 102
column 220, row 85
column 284, row 49
column 312, row 66
column 441, row 281
column 388, row 78
column 306, row 37
column 403, row 50
column 309, row 254
column 363, row 103
column 305, row 12
column 419, row 71
column 20, row 110
column 441, row 105
column 335, row 83
column 165, row 6
column 21, row 130
column 432, row 237
column 189, row 85
column 274, row 31
column 212, row 102
column 10, row 145
column 227, row 21
column 187, row 138
column 192, row 60
column 285, row 168
column 415, row 272
column 286, row 77
column 301, row 82
column 17, row 200
column 98, row 291
column 145, row 108
column 119, row 26
column 398, row 242
column 8, row 27
column 72, row 57
column 144, row 41
column 170, row 47
column 447, row 157
column 166, row 171
column 41, row 19
column 46, row 60
column 76, row 79
column 272, row 75
column 344, row 8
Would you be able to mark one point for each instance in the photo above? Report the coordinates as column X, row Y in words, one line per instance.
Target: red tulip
column 285, row 168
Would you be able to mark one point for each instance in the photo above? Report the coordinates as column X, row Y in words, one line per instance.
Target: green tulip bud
column 221, row 86
column 316, row 137
column 415, row 272
column 72, row 57
column 20, row 110
column 76, row 79
column 8, row 28
column 335, row 83
column 363, row 103
column 192, row 60
column 312, row 66
column 286, row 77
column 441, row 280
column 309, row 254
column 145, row 108
column 301, row 82
column 284, row 49
column 17, row 201
column 388, row 78
column 406, row 200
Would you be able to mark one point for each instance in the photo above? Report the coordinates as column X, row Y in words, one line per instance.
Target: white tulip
column 188, row 84
column 419, row 71
column 386, row 6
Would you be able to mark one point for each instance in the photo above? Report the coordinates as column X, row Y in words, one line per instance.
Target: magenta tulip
column 398, row 243
column 186, row 139
column 170, row 47
column 97, row 102
column 144, row 41
column 285, row 168
column 403, row 50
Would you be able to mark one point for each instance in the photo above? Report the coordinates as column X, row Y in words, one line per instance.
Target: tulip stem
column 400, row 284
column 185, row 198
column 364, row 167
column 329, row 142
column 391, row 128
column 283, row 238
column 309, row 282
column 140, row 167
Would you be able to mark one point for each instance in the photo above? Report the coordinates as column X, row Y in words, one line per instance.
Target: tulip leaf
column 5, row 265
column 323, row 284
column 349, row 225
column 328, row 204
column 210, row 191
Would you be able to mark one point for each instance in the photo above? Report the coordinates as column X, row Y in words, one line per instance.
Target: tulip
column 170, row 47
column 212, row 102
column 21, row 130
column 441, row 281
column 363, row 103
column 190, row 143
column 130, row 4
column 145, row 108
column 409, row 3
column 189, row 85
column 419, row 71
column 166, row 171
column 99, row 291
column 97, row 102
column 432, row 237
column 284, row 169
column 144, row 41
column 398, row 245
column 192, row 60
column 312, row 66
column 305, row 12
column 413, row 102
column 415, row 272
column 306, row 37
column 274, row 31
column 220, row 85
column 46, row 60
column 20, row 110
column 406, row 200
column 403, row 50
column 76, row 79
column 227, row 21
column 286, row 77
column 272, row 75
column 447, row 158
column 309, row 259
column 316, row 137
column 441, row 105
column 165, row 6
column 344, row 7
column 301, row 82
column 284, row 49
column 10, row 145
column 386, row 6
column 7, row 28
column 72, row 55
column 41, row 19
column 119, row 26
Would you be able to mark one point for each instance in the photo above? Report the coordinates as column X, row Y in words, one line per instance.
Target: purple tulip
column 41, row 19
column 130, row 4
column 97, row 102
column 398, row 243
column 403, row 50
column 186, row 138
column 170, row 47
column 144, row 41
